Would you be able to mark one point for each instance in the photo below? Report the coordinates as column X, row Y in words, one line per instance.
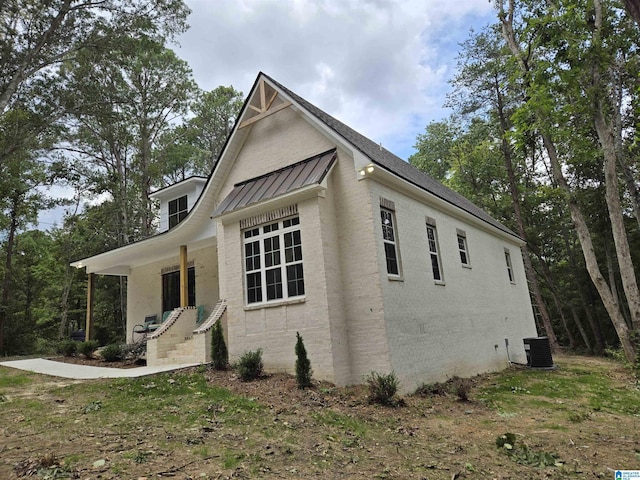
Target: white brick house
column 306, row 226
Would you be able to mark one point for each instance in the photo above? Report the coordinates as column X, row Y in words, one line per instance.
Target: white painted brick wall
column 144, row 286
column 438, row 331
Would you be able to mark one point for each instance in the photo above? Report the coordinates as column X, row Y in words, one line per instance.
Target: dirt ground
column 328, row 432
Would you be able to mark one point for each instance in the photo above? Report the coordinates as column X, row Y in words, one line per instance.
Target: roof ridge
column 391, row 162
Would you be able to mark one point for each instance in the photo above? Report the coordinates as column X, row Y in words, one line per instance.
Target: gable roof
column 394, row 164
column 191, row 230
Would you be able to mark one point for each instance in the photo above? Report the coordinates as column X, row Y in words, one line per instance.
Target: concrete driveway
column 85, row 372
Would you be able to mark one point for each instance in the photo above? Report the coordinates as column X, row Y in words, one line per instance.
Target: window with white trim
column 462, row 248
column 434, row 252
column 273, row 262
column 177, row 210
column 507, row 258
column 389, row 239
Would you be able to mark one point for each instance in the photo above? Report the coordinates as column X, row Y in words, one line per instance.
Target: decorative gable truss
column 264, row 104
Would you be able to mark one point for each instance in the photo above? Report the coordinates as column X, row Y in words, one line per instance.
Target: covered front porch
column 172, row 296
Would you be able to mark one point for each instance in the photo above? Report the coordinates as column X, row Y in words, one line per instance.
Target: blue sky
column 380, row 66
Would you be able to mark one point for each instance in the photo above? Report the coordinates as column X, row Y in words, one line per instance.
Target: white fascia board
column 182, row 187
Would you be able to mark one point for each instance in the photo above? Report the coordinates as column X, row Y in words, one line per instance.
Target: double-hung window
column 463, row 248
column 389, row 240
column 273, row 261
column 434, row 251
column 177, row 210
column 507, row 258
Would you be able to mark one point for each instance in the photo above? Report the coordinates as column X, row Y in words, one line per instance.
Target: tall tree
column 557, row 64
column 122, row 104
column 21, row 175
column 38, row 35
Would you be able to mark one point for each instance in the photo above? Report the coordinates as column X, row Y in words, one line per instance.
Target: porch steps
column 178, row 342
column 181, row 353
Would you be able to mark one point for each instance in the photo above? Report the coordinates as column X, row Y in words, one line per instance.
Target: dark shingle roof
column 393, row 163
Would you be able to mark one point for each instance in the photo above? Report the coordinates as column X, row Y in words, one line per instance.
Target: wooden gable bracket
column 264, row 110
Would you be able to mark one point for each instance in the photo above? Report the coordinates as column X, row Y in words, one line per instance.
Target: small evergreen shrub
column 68, row 348
column 112, row 352
column 250, row 365
column 219, row 352
column 382, row 388
column 303, row 364
column 88, row 348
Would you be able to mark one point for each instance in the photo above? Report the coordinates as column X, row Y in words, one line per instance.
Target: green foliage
column 303, row 364
column 219, row 352
column 68, row 347
column 88, row 348
column 382, row 388
column 250, row 366
column 112, row 352
column 524, row 455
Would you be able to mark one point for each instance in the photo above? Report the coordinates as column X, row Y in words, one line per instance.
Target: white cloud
column 381, row 66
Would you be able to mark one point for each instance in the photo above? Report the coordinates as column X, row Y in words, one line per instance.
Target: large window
column 434, row 253
column 177, row 210
column 389, row 240
column 171, row 289
column 273, row 261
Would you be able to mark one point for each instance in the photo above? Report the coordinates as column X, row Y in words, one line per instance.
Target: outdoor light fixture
column 366, row 170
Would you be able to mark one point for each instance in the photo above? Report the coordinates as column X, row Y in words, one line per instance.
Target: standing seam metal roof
column 293, row 177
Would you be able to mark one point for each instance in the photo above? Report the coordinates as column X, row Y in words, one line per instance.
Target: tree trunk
column 67, row 283
column 579, row 222
column 633, row 7
column 530, row 273
column 546, row 273
column 583, row 333
column 6, row 283
column 623, row 252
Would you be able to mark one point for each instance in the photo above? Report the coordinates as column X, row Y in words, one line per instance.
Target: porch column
column 184, row 283
column 89, row 319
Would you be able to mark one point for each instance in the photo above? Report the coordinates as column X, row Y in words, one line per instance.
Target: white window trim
column 389, row 207
column 510, row 273
column 461, row 235
column 179, row 214
column 431, row 226
column 260, row 237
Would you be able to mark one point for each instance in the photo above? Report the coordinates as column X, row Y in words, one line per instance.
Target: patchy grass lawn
column 579, row 421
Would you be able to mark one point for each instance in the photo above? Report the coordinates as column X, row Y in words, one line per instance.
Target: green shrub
column 250, row 365
column 219, row 352
column 68, row 348
column 303, row 364
column 88, row 348
column 382, row 388
column 112, row 352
